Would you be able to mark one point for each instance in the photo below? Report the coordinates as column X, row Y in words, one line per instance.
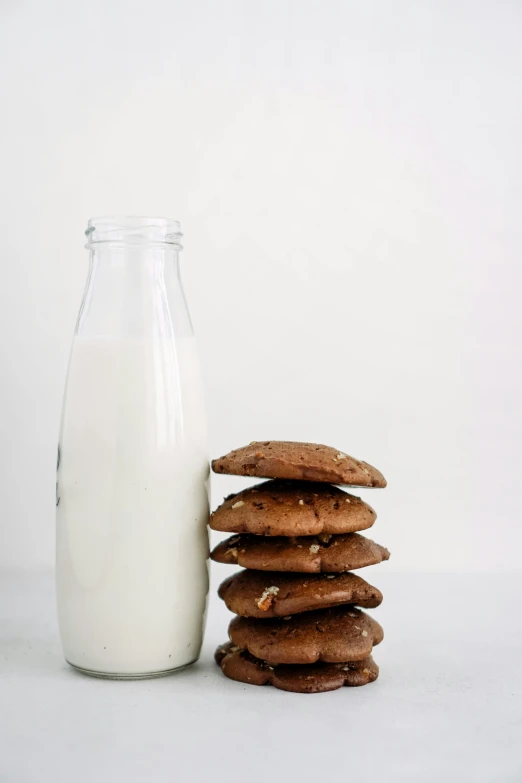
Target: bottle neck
column 133, row 288
column 132, row 262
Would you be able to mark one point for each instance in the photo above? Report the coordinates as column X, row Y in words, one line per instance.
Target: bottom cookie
column 238, row 664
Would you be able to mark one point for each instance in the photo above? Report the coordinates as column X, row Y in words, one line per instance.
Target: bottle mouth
column 134, row 230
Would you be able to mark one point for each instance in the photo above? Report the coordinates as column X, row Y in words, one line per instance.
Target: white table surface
column 447, row 707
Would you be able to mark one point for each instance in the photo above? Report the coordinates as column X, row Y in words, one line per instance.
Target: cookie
column 307, row 554
column 271, row 594
column 298, row 461
column 237, row 664
column 331, row 635
column 292, row 508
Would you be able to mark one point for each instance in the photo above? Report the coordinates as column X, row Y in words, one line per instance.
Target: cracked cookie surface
column 331, row 635
column 266, row 594
column 299, row 461
column 292, row 508
column 240, row 665
column 303, row 554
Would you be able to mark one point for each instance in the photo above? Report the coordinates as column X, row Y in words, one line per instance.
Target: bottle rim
column 133, row 229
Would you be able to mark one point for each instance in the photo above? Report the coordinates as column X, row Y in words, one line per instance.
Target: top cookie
column 301, row 461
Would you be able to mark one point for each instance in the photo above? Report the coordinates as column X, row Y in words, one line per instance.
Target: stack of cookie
column 298, row 626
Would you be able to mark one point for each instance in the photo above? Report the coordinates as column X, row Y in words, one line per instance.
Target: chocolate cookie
column 292, row 508
column 271, row 594
column 237, row 664
column 331, row 635
column 301, row 461
column 307, row 554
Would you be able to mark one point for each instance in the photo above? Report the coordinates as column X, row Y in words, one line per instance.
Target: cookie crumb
column 341, row 456
column 364, row 633
column 347, row 500
column 238, row 504
column 267, row 599
column 324, row 538
column 288, row 617
column 301, row 502
column 366, row 671
column 330, row 576
column 232, row 552
column 234, row 649
column 314, row 549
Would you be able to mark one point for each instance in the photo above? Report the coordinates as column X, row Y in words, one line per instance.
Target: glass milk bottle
column 131, row 493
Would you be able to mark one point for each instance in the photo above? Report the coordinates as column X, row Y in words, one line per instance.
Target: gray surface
column 448, row 705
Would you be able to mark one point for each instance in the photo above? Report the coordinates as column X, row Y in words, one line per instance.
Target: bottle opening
column 133, row 230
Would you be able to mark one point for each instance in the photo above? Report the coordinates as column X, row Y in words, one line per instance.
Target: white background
column 348, row 176
column 348, row 179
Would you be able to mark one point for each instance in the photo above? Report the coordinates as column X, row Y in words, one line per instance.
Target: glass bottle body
column 132, row 501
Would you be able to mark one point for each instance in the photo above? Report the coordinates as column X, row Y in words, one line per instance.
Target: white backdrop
column 348, row 179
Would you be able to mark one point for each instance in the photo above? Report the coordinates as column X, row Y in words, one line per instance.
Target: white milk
column 132, row 541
